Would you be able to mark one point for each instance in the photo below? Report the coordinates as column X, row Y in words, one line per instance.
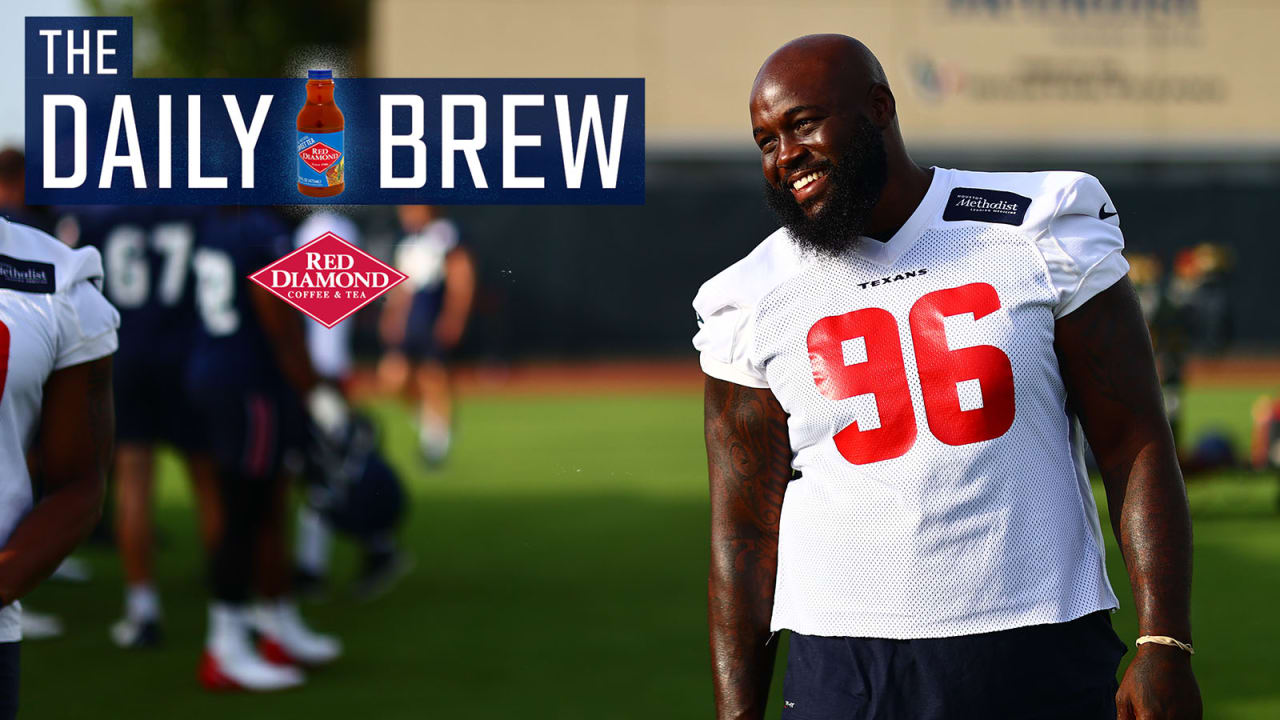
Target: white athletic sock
column 142, row 602
column 313, row 541
column 227, row 626
column 435, row 436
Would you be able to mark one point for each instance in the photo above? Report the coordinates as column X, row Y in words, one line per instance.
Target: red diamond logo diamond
column 328, row 279
column 319, row 156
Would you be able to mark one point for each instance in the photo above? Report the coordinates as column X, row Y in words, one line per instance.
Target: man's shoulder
column 34, row 261
column 1029, row 200
column 746, row 281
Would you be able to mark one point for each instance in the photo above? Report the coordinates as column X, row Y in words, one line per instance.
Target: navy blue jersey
column 146, row 258
column 231, row 350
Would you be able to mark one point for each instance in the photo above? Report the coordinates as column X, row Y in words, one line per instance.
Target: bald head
column 839, row 63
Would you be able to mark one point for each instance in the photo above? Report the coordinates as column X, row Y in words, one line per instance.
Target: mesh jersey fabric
column 942, row 487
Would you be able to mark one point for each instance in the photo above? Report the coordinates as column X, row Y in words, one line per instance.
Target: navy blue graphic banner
column 97, row 135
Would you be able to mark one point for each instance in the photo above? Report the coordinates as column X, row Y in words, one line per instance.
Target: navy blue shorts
column 10, row 662
column 152, row 406
column 249, row 431
column 1062, row 671
column 420, row 328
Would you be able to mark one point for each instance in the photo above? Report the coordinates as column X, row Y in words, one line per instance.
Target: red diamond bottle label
column 320, row 158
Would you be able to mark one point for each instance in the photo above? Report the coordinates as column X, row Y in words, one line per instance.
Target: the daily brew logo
column 328, row 279
column 319, row 156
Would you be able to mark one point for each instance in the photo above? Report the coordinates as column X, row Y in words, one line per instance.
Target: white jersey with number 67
column 942, row 489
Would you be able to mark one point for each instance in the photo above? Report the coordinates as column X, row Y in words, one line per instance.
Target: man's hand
column 1104, row 352
column 1159, row 685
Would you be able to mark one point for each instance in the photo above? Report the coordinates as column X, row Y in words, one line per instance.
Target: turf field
column 561, row 561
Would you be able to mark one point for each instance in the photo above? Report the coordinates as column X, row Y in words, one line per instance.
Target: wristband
column 1165, row 640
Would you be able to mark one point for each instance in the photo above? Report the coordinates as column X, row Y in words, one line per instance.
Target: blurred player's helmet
column 351, row 484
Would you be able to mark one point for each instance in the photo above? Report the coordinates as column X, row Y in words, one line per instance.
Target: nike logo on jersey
column 893, row 278
column 1103, row 214
column 26, row 275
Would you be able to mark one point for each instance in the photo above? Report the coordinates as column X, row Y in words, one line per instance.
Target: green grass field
column 561, row 560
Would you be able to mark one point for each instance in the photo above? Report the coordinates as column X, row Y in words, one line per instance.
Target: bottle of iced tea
column 320, row 153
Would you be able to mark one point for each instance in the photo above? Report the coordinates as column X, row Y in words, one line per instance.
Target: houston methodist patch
column 26, row 275
column 328, row 279
column 996, row 206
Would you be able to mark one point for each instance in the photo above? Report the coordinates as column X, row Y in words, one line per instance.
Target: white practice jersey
column 329, row 348
column 942, row 487
column 52, row 316
column 421, row 255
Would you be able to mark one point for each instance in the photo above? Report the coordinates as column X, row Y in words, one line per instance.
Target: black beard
column 855, row 183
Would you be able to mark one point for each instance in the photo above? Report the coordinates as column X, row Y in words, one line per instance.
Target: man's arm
column 1105, row 355
column 459, row 291
column 749, row 465
column 73, row 452
column 284, row 330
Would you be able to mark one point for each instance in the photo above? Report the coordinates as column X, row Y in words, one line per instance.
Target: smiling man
column 900, row 382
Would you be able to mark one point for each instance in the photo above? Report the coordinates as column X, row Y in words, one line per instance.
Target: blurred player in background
column 57, row 334
column 348, row 484
column 147, row 262
column 13, row 184
column 424, row 318
column 897, row 384
column 249, row 377
column 330, row 351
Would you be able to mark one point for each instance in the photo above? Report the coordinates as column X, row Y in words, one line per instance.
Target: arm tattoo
column 749, row 465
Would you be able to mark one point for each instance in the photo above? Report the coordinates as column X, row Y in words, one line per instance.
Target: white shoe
column 285, row 639
column 39, row 626
column 230, row 662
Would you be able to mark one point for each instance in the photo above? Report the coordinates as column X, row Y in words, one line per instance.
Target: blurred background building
column 1171, row 103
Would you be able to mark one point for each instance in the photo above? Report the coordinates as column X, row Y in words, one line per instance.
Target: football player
column 424, row 318
column 896, row 385
column 248, row 370
column 346, row 479
column 57, row 334
column 147, row 263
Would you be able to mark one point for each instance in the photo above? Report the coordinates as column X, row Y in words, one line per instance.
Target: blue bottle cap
column 319, row 74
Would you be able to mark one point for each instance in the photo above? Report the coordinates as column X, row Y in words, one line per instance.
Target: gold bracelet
column 1165, row 640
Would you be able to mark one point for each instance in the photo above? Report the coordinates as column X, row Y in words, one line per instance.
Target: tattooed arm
column 72, row 454
column 749, row 464
column 1105, row 355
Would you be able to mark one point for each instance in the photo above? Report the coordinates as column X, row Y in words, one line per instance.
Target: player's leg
column 241, row 430
column 143, row 410
column 312, row 544
column 435, row 410
column 133, row 474
column 204, row 485
column 283, row 636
